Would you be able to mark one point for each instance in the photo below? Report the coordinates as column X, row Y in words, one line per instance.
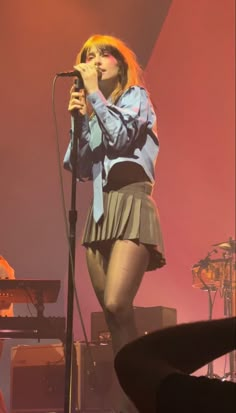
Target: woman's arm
column 125, row 122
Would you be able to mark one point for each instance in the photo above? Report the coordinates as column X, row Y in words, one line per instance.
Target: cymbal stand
column 210, row 369
column 230, row 309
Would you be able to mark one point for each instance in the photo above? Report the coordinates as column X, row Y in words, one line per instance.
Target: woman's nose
column 97, row 60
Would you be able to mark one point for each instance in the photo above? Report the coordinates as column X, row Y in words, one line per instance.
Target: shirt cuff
column 98, row 102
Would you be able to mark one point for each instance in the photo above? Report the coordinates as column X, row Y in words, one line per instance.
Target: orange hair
column 131, row 73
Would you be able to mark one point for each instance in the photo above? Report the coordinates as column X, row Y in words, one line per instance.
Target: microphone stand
column 69, row 348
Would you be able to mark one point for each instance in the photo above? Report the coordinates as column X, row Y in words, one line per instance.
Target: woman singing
column 117, row 149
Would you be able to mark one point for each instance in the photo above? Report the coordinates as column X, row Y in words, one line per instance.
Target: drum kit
column 210, row 274
column 214, row 275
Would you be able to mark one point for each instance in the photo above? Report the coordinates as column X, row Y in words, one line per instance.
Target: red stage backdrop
column 187, row 50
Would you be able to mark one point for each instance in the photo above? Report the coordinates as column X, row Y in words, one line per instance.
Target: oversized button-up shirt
column 127, row 133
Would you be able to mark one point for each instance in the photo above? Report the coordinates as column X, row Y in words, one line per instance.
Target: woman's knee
column 119, row 310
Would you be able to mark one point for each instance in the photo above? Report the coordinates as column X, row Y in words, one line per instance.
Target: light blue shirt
column 125, row 131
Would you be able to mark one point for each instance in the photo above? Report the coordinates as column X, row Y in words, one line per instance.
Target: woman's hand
column 77, row 101
column 89, row 74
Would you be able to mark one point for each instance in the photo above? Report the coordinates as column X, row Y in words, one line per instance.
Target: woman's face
column 107, row 64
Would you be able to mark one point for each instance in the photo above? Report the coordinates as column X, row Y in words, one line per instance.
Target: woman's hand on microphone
column 89, row 74
column 77, row 101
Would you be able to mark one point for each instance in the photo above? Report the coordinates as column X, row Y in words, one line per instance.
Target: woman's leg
column 127, row 264
column 97, row 267
column 116, row 283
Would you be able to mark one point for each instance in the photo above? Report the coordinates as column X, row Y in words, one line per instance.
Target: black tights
column 116, row 281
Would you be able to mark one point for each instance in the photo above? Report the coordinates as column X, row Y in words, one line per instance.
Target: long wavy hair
column 130, row 72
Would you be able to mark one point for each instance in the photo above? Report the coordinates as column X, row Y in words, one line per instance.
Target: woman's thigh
column 127, row 264
column 97, row 266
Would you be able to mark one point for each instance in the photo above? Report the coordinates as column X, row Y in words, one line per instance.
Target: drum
column 209, row 276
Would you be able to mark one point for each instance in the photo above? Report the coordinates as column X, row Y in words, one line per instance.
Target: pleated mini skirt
column 130, row 213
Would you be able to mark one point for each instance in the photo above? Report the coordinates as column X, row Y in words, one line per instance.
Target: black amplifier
column 37, row 379
column 147, row 319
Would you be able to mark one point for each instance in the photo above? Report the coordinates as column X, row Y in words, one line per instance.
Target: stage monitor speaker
column 37, row 378
column 147, row 319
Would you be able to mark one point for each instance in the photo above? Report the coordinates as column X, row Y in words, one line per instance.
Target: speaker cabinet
column 37, row 378
column 147, row 319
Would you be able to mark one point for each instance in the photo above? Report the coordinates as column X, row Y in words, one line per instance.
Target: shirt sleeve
column 125, row 122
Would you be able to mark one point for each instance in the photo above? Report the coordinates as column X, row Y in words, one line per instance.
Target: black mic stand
column 230, row 308
column 69, row 348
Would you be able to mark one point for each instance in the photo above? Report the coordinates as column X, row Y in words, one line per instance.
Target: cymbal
column 229, row 245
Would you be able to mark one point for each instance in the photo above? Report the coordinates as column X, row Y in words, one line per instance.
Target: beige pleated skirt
column 130, row 213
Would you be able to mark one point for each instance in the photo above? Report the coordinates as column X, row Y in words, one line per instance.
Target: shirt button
column 93, row 100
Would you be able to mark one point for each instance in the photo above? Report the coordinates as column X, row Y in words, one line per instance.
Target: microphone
column 204, row 263
column 78, row 74
column 70, row 74
column 79, row 83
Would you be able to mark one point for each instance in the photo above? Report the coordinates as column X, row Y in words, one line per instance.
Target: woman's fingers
column 78, row 103
column 89, row 75
column 77, row 100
